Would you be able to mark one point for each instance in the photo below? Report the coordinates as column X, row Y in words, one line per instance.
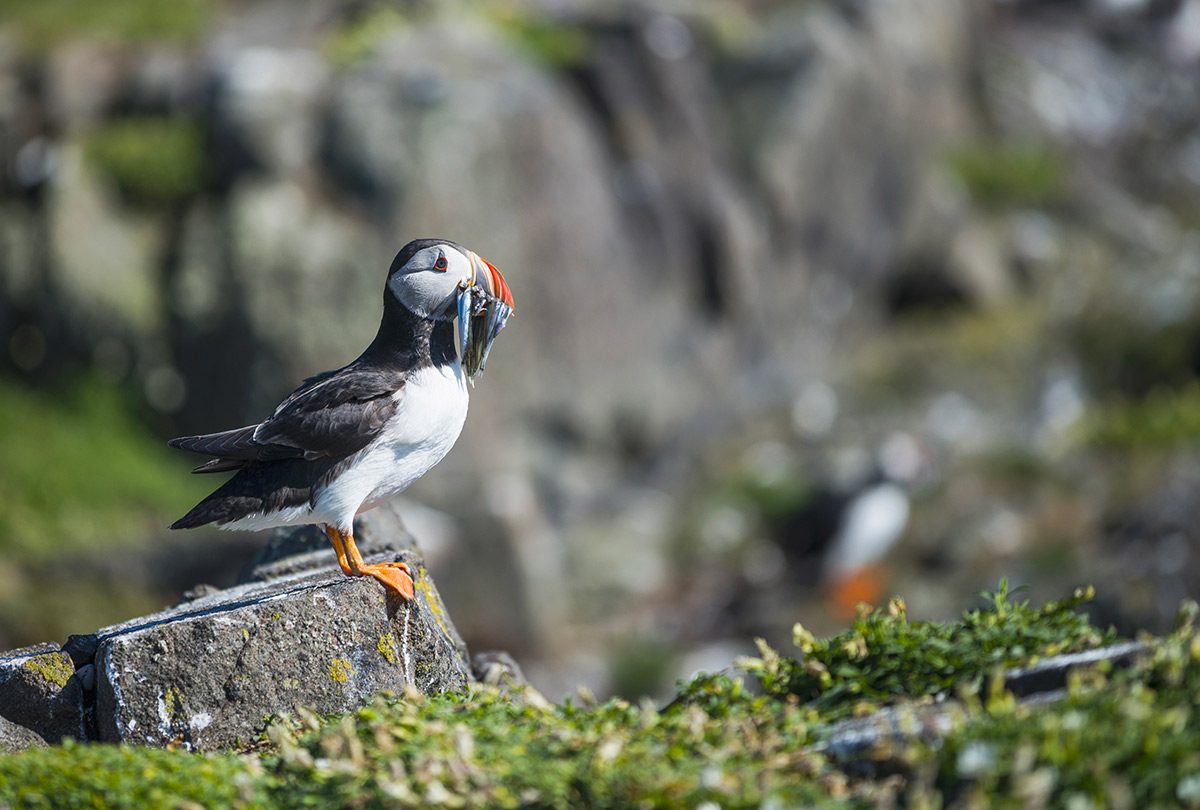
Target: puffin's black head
column 428, row 275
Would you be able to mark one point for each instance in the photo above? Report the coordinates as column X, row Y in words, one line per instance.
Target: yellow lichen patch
column 424, row 587
column 173, row 703
column 340, row 670
column 387, row 646
column 54, row 667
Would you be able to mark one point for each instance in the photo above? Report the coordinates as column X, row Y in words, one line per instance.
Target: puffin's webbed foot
column 395, row 576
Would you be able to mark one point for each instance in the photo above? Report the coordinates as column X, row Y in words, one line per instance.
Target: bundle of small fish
column 481, row 315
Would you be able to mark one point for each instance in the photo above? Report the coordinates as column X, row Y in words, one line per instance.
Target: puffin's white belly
column 433, row 407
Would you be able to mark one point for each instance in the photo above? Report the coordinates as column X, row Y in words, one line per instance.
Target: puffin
column 348, row 440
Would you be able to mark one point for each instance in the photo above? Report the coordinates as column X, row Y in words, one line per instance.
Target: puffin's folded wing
column 334, row 416
column 232, row 448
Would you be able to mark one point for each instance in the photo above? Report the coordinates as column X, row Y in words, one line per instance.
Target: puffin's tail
column 233, row 500
column 259, row 490
column 207, row 511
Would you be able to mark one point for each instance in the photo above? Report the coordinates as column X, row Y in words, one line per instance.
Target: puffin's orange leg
column 396, row 577
column 335, row 538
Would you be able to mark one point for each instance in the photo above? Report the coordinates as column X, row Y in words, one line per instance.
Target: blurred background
column 817, row 301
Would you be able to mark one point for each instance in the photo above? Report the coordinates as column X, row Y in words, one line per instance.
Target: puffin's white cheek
column 425, row 294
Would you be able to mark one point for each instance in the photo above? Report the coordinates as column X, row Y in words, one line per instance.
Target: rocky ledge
column 208, row 672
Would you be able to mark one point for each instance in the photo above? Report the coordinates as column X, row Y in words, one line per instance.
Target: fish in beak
column 485, row 304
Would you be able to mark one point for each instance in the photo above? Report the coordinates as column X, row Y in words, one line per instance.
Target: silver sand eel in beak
column 485, row 304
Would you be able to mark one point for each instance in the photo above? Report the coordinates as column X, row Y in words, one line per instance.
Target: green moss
column 45, row 24
column 78, row 471
column 1164, row 418
column 152, row 160
column 1003, row 175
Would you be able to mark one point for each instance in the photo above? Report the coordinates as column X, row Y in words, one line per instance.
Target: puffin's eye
column 440, row 264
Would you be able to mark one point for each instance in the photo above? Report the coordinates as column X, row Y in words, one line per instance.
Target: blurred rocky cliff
column 802, row 287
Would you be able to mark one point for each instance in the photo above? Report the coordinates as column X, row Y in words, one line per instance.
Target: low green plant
column 1162, row 419
column 355, row 39
column 1004, row 174
column 1119, row 738
column 45, row 24
column 73, row 776
column 152, row 161
column 884, row 656
column 491, row 750
column 1124, row 739
column 552, row 43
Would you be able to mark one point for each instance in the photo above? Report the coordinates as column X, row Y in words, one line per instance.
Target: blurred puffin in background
column 872, row 521
column 347, row 440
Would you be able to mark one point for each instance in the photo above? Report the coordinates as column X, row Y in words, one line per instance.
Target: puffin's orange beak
column 496, row 284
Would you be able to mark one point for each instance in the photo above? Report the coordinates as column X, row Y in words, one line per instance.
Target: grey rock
column 197, row 592
column 40, row 691
column 1051, row 674
column 875, row 743
column 14, row 737
column 81, row 648
column 106, row 256
column 207, row 673
column 495, row 667
column 873, row 737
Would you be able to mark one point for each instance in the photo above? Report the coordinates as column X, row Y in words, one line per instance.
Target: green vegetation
column 56, row 461
column 1164, row 418
column 44, row 24
column 1002, row 175
column 153, row 161
column 883, row 656
column 488, row 750
column 545, row 40
column 125, row 778
column 1127, row 739
column 1119, row 738
column 1126, row 352
column 1123, row 738
column 356, row 39
column 555, row 44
